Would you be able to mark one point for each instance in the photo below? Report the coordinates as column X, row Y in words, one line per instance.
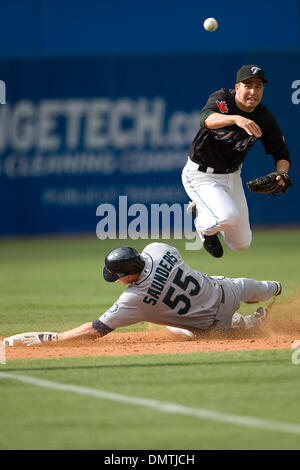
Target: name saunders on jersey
column 161, row 275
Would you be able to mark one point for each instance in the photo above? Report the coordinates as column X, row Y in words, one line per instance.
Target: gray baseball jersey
column 168, row 292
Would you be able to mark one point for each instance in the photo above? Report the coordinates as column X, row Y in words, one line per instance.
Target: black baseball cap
column 250, row 71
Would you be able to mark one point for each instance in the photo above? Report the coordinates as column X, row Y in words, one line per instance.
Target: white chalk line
column 166, row 407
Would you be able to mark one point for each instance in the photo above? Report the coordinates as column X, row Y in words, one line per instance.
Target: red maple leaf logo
column 222, row 106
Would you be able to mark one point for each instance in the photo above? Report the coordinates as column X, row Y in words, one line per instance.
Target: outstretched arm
column 87, row 330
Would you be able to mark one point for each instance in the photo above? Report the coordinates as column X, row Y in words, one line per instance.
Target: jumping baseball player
column 231, row 122
column 163, row 289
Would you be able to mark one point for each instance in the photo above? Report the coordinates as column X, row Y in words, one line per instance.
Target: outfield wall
column 44, row 28
column 76, row 133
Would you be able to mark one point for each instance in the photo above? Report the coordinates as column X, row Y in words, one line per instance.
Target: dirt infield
column 147, row 342
column 278, row 332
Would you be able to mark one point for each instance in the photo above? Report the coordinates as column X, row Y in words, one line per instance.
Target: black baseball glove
column 269, row 185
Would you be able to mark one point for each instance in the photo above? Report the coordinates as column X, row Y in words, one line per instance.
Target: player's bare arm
column 282, row 165
column 90, row 330
column 83, row 331
column 217, row 121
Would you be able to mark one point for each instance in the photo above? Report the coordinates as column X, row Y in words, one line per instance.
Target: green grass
column 257, row 384
column 56, row 284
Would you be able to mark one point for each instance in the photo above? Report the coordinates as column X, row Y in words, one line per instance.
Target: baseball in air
column 210, row 24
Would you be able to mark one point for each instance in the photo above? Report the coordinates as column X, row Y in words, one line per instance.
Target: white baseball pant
column 221, row 205
column 239, row 290
column 236, row 290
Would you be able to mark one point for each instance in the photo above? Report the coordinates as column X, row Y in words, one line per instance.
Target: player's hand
column 249, row 126
column 30, row 338
column 280, row 180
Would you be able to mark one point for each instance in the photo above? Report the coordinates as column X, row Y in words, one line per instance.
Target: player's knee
column 229, row 220
column 240, row 246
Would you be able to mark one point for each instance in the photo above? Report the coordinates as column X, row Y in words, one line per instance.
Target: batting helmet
column 121, row 262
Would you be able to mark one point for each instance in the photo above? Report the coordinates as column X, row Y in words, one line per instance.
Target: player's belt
column 209, row 169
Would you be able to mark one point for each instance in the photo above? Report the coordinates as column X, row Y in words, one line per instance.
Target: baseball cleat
column 180, row 331
column 260, row 314
column 213, row 246
column 191, row 209
column 279, row 288
column 255, row 319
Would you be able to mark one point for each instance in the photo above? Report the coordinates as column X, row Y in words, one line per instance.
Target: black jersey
column 224, row 149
